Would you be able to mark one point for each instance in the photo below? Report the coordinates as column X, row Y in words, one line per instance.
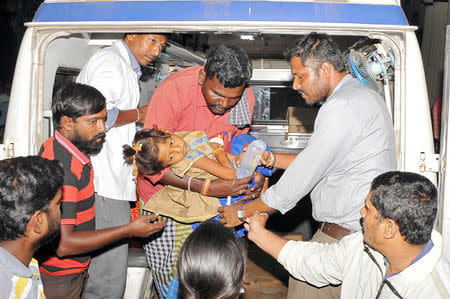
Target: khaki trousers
column 302, row 290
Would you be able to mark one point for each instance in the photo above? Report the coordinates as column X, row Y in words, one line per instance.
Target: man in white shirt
column 115, row 72
column 398, row 254
column 30, row 194
column 352, row 143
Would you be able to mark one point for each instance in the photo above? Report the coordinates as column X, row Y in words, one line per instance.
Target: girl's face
column 172, row 150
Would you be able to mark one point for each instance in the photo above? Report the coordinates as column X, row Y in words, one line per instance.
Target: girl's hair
column 211, row 264
column 143, row 155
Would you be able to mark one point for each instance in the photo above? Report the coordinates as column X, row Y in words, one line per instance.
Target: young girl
column 187, row 153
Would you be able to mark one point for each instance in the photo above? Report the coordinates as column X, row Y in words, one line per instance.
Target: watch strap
column 241, row 213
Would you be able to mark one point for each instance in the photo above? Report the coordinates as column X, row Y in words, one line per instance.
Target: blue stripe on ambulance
column 111, row 11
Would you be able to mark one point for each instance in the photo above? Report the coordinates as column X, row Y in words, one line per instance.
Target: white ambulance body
column 64, row 34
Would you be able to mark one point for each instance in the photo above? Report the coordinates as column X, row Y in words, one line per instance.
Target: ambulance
column 380, row 46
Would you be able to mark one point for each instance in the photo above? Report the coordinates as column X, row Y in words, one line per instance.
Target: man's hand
column 255, row 191
column 228, row 215
column 142, row 114
column 223, row 188
column 146, row 225
column 256, row 224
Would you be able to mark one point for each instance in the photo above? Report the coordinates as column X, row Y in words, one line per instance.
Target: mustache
column 220, row 107
column 99, row 135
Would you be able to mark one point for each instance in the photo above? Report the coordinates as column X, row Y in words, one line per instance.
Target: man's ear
column 37, row 222
column 325, row 69
column 129, row 37
column 66, row 123
column 201, row 77
column 391, row 228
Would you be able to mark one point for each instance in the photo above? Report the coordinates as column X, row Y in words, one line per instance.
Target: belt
column 334, row 230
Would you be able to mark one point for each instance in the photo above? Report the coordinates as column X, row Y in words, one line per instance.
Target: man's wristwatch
column 240, row 213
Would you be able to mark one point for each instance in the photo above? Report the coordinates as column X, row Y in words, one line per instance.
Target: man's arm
column 317, row 263
column 228, row 214
column 282, row 161
column 266, row 240
column 217, row 187
column 78, row 242
column 125, row 117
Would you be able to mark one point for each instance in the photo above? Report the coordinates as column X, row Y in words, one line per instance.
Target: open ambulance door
column 443, row 217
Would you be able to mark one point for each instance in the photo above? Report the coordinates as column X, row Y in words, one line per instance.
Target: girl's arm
column 221, row 168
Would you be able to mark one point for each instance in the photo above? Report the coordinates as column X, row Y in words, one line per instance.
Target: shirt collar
column 72, row 148
column 15, row 267
column 422, row 253
column 133, row 62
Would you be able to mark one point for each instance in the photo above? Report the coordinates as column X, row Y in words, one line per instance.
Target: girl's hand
column 238, row 158
column 215, row 145
column 268, row 159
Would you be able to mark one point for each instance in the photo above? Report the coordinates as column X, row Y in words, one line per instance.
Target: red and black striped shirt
column 77, row 204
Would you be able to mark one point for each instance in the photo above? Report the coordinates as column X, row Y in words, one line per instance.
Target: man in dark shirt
column 79, row 114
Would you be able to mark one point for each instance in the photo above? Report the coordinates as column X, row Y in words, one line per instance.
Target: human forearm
column 229, row 214
column 284, row 160
column 266, row 240
column 269, row 242
column 78, row 242
column 217, row 188
column 130, row 116
column 256, row 205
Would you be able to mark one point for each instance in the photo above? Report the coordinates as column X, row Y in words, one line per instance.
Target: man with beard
column 79, row 114
column 214, row 98
column 352, row 143
column 30, row 194
column 115, row 72
column 398, row 254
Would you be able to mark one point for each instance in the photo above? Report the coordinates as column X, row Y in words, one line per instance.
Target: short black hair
column 74, row 100
column 211, row 264
column 409, row 199
column 316, row 48
column 27, row 184
column 230, row 64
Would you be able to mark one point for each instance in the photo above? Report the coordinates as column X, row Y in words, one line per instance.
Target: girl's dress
column 180, row 204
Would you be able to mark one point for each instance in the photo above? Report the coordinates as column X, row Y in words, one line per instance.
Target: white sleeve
column 105, row 73
column 319, row 264
column 334, row 134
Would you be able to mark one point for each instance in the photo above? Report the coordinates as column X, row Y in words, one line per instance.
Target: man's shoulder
column 352, row 91
column 184, row 77
column 53, row 150
column 106, row 57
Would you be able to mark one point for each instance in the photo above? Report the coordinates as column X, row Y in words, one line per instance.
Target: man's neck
column 20, row 249
column 401, row 257
column 335, row 79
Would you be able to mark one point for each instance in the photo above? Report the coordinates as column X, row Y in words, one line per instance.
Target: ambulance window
column 64, row 75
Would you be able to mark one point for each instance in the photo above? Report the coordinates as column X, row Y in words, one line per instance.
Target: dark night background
column 14, row 13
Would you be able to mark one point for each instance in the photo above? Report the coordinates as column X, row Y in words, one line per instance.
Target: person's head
column 227, row 72
column 314, row 60
column 145, row 47
column 399, row 204
column 153, row 150
column 79, row 114
column 30, row 193
column 211, row 263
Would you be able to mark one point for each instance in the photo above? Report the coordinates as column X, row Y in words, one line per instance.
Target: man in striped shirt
column 79, row 114
column 30, row 193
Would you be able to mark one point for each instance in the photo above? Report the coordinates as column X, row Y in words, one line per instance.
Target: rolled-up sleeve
column 319, row 263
